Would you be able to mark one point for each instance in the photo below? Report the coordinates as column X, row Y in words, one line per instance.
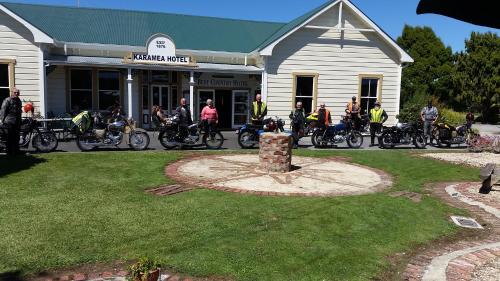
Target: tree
column 477, row 76
column 431, row 73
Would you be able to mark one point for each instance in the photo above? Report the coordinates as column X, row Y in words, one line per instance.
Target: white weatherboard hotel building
column 65, row 59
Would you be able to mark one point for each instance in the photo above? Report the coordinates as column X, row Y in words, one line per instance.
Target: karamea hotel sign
column 160, row 50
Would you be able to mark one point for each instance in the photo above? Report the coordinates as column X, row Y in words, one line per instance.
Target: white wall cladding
column 56, row 91
column 16, row 42
column 339, row 58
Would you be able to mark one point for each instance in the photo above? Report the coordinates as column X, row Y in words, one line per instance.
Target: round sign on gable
column 160, row 44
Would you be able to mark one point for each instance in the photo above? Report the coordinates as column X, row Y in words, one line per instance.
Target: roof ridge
column 142, row 12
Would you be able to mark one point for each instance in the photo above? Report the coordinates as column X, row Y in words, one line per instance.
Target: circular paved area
column 310, row 176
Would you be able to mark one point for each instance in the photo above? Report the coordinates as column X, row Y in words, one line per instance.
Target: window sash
column 7, row 78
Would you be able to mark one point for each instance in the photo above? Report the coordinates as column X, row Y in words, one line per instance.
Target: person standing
column 259, row 110
column 185, row 120
column 429, row 116
column 10, row 118
column 210, row 117
column 298, row 118
column 378, row 116
column 324, row 116
column 469, row 118
column 353, row 112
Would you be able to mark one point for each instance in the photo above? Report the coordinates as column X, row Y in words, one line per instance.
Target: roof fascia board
column 127, row 48
column 268, row 50
column 38, row 35
column 404, row 57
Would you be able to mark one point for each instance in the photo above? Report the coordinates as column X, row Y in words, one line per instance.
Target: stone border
column 171, row 171
column 418, row 266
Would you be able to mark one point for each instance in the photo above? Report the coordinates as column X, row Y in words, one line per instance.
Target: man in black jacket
column 10, row 118
column 185, row 119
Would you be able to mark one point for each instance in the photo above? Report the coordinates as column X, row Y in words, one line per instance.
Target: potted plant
column 144, row 270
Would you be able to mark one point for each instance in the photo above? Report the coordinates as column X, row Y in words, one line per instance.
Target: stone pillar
column 275, row 153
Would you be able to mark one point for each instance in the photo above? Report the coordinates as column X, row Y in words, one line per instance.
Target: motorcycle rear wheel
column 45, row 142
column 246, row 140
column 213, row 142
column 317, row 139
column 387, row 140
column 138, row 140
column 167, row 139
column 355, row 139
column 82, row 143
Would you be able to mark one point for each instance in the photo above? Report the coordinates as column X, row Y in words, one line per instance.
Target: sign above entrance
column 160, row 50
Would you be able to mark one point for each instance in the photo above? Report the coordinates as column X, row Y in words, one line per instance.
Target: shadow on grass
column 11, row 276
column 14, row 164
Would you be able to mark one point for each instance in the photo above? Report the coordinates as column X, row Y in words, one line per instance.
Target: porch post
column 129, row 91
column 263, row 88
column 191, row 91
column 42, row 82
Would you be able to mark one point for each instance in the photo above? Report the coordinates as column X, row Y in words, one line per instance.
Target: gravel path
column 472, row 159
column 489, row 272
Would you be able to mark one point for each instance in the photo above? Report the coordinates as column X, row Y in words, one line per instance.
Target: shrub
column 451, row 117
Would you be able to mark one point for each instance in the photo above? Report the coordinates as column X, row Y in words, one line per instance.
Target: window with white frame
column 369, row 93
column 4, row 81
column 109, row 88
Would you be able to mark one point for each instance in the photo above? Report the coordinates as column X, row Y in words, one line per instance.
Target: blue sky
column 391, row 15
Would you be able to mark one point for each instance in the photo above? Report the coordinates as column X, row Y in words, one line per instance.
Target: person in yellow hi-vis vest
column 259, row 110
column 377, row 118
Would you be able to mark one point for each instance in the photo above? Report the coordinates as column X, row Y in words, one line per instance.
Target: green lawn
column 59, row 210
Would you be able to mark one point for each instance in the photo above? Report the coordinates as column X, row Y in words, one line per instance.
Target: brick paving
column 458, row 260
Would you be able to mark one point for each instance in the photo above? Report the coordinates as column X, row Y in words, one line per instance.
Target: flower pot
column 152, row 276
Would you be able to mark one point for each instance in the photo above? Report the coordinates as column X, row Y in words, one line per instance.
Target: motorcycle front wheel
column 317, row 139
column 247, row 139
column 419, row 140
column 138, row 140
column 213, row 140
column 45, row 142
column 387, row 140
column 83, row 143
column 355, row 139
column 168, row 139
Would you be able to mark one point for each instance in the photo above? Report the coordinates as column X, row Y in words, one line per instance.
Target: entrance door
column 160, row 95
column 241, row 105
column 223, row 103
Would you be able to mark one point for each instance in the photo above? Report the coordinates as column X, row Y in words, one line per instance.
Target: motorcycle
column 170, row 135
column 403, row 134
column 335, row 134
column 446, row 135
column 249, row 134
column 101, row 134
column 365, row 123
column 32, row 131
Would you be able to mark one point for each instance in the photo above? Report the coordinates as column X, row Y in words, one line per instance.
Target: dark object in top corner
column 480, row 12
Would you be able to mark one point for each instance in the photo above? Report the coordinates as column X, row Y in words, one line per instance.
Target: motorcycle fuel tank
column 117, row 126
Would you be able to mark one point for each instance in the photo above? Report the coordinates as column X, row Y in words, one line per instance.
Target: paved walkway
column 463, row 260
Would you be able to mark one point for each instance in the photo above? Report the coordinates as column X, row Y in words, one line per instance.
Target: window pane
column 365, row 87
column 305, row 86
column 81, row 100
column 4, row 75
column 306, row 104
column 164, row 98
column 145, row 97
column 4, row 93
column 108, row 99
column 109, row 80
column 367, row 104
column 159, row 76
column 81, row 79
column 156, row 96
column 373, row 88
column 175, row 98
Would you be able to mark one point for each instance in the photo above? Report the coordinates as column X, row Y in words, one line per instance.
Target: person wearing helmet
column 378, row 116
column 353, row 112
column 10, row 119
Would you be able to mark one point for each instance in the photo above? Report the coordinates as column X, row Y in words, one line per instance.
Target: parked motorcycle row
column 93, row 131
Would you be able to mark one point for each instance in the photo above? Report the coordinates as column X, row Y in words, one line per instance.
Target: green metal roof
column 131, row 28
